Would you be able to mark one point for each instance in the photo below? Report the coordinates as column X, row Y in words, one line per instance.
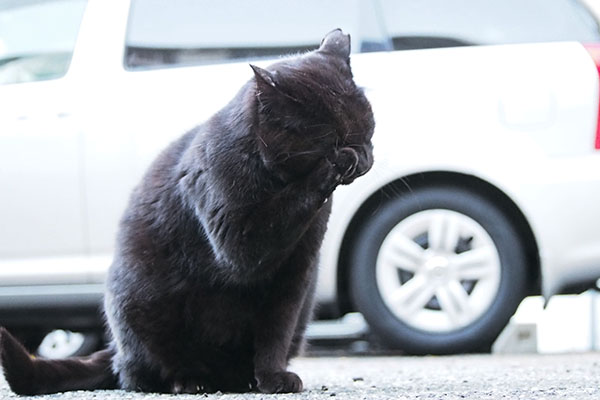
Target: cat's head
column 309, row 107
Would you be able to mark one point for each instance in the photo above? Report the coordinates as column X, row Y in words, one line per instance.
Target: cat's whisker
column 317, row 125
column 326, row 134
column 288, row 156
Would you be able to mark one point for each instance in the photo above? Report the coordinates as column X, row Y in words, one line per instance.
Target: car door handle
column 28, row 117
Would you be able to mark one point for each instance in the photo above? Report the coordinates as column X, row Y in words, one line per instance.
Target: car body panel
column 40, row 154
column 525, row 152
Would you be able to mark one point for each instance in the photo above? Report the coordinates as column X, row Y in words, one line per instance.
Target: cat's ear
column 336, row 43
column 267, row 84
column 263, row 77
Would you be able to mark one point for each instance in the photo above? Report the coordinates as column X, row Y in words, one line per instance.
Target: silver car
column 485, row 189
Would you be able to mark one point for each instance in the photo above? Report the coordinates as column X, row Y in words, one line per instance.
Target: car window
column 191, row 32
column 443, row 23
column 37, row 38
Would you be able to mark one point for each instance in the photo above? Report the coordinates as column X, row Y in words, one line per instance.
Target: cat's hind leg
column 137, row 375
column 191, row 386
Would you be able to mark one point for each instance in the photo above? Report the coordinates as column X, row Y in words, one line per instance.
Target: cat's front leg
column 265, row 232
column 279, row 382
column 283, row 319
column 273, row 338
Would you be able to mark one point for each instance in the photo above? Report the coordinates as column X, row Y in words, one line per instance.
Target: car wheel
column 62, row 344
column 438, row 271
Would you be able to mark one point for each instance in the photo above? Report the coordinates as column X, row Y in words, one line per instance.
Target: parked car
column 485, row 188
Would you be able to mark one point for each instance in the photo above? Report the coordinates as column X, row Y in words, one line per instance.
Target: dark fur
column 213, row 279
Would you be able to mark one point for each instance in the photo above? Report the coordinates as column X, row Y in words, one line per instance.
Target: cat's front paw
column 333, row 171
column 279, row 382
column 345, row 163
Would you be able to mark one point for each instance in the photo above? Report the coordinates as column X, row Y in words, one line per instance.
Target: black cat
column 216, row 261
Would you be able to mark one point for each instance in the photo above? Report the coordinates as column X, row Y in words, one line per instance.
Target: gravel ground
column 575, row 376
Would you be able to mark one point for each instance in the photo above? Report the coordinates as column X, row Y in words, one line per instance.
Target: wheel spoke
column 454, row 301
column 405, row 253
column 475, row 264
column 444, row 232
column 436, row 232
column 413, row 295
column 452, row 234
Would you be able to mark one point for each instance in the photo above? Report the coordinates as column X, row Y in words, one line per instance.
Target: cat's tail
column 27, row 375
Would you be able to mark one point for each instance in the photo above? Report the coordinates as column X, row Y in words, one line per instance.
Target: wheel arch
column 409, row 183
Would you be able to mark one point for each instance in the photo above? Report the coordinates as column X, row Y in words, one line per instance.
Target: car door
column 41, row 196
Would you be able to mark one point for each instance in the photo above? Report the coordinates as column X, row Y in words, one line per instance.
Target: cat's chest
column 221, row 316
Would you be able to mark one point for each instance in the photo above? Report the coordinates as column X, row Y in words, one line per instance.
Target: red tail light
column 594, row 50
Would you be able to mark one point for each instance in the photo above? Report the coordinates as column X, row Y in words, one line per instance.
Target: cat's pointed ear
column 336, row 43
column 263, row 77
column 267, row 84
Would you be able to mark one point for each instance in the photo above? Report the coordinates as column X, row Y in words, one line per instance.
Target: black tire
column 479, row 335
column 29, row 337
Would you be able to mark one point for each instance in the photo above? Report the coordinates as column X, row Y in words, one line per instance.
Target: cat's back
column 156, row 218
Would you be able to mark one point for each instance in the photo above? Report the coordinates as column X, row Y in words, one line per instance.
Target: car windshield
column 37, row 38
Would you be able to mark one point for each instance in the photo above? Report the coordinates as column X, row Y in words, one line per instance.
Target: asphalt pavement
column 572, row 376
